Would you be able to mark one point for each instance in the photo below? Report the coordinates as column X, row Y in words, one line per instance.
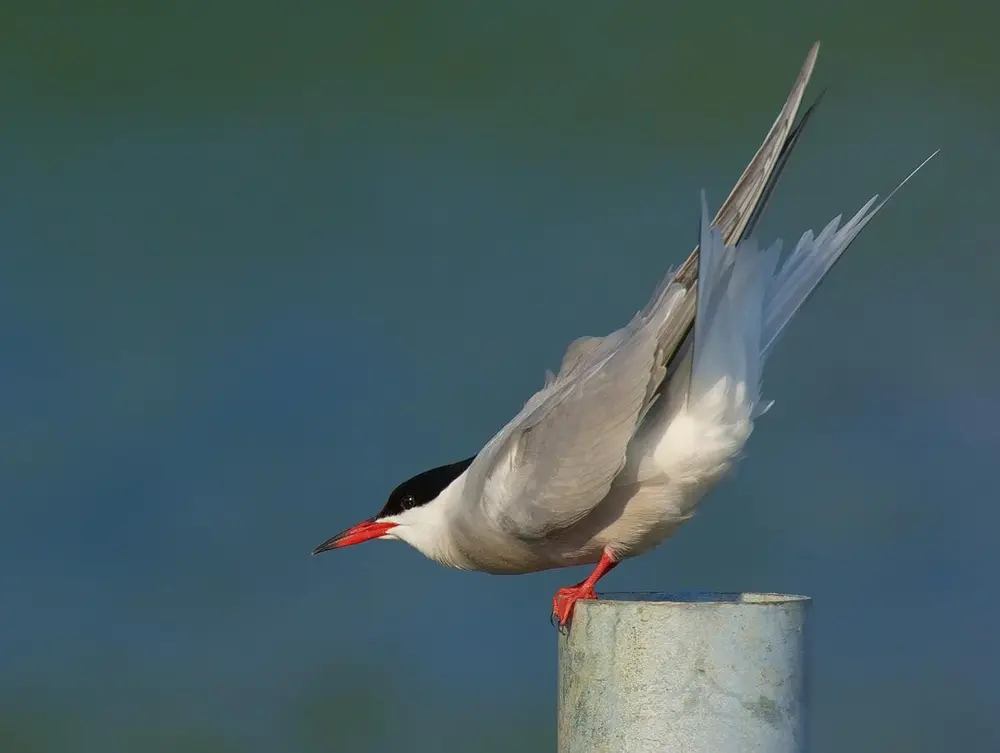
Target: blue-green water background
column 261, row 261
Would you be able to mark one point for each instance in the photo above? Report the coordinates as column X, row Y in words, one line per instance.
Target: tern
column 616, row 450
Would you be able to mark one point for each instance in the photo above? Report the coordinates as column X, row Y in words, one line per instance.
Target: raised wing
column 556, row 460
column 742, row 208
column 745, row 204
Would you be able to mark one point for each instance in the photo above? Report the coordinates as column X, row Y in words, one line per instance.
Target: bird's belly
column 628, row 521
column 646, row 515
column 674, row 460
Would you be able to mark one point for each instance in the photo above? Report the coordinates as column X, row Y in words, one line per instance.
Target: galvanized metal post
column 683, row 673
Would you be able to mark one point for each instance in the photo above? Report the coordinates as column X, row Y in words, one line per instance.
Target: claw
column 565, row 600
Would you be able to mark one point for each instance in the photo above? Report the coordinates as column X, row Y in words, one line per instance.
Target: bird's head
column 414, row 513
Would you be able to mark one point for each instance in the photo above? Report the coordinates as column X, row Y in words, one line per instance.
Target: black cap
column 422, row 488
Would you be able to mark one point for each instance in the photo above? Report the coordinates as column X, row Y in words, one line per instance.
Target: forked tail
column 745, row 300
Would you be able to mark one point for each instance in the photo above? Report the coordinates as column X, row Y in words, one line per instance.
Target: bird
column 617, row 449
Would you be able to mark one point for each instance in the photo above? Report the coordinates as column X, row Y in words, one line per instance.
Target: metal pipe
column 687, row 673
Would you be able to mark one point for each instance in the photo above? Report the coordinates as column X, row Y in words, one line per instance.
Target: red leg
column 566, row 598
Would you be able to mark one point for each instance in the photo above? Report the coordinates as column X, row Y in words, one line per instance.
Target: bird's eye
column 408, row 501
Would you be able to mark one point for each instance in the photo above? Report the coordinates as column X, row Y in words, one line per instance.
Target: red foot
column 566, row 598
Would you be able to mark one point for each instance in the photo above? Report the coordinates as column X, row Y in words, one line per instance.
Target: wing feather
column 550, row 465
column 556, row 460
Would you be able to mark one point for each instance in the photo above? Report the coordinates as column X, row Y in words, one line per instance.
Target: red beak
column 355, row 535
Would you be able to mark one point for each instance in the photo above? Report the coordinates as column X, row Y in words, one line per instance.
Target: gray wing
column 556, row 460
column 577, row 351
column 745, row 204
column 743, row 207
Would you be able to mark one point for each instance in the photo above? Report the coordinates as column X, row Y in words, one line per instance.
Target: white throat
column 429, row 528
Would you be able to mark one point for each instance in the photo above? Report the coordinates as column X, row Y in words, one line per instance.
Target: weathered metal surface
column 691, row 673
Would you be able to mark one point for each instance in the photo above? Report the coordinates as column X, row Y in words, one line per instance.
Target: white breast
column 679, row 453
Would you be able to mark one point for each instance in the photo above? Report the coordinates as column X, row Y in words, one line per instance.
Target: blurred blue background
column 261, row 261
